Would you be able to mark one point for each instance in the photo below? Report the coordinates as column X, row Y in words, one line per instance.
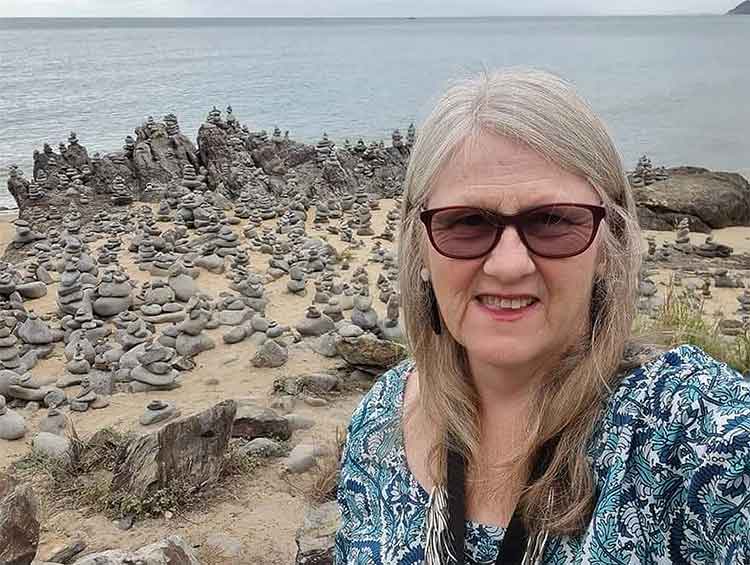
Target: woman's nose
column 510, row 258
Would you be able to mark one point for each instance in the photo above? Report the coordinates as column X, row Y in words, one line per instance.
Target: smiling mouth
column 497, row 303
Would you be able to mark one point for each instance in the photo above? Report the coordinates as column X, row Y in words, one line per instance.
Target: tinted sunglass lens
column 559, row 230
column 462, row 232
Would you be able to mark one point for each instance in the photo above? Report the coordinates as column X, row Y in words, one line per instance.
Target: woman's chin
column 505, row 352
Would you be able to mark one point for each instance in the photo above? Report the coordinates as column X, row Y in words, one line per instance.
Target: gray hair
column 544, row 113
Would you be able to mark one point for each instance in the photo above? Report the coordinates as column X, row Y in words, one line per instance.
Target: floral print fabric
column 670, row 457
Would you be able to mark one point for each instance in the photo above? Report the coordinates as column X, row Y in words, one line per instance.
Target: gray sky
column 352, row 8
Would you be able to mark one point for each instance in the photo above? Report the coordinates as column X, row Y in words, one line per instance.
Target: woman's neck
column 503, row 390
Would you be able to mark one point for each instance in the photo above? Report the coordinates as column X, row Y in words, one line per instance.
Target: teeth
column 513, row 304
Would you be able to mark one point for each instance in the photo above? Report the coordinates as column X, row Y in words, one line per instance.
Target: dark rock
column 188, row 452
column 710, row 200
column 741, row 9
column 253, row 422
column 68, row 553
column 19, row 523
column 370, row 351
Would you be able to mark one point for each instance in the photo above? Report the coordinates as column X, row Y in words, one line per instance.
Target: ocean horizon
column 672, row 87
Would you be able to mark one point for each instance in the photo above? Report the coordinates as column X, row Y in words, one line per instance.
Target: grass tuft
column 682, row 319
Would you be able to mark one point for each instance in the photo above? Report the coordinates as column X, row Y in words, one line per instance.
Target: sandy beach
column 263, row 511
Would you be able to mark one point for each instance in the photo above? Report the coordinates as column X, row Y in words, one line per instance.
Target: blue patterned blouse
column 671, row 460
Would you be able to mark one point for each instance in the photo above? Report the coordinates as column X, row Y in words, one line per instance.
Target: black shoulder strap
column 516, row 537
column 456, row 503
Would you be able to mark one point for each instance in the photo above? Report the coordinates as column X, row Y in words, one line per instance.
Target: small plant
column 238, row 463
column 323, row 487
column 681, row 319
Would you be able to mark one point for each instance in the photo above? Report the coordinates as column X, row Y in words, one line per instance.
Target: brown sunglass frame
column 500, row 221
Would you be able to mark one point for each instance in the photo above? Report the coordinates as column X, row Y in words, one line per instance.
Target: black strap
column 516, row 537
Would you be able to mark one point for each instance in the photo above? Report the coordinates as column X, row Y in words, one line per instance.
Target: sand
column 262, row 511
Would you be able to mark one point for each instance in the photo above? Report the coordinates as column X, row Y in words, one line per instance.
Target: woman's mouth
column 507, row 309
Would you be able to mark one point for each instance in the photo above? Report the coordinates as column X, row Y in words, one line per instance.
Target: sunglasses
column 555, row 231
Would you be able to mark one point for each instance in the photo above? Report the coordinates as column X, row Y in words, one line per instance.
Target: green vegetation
column 83, row 480
column 326, row 475
column 682, row 319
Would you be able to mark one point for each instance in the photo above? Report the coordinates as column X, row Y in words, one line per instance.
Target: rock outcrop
column 710, row 200
column 170, row 551
column 741, row 9
column 188, row 452
column 19, row 523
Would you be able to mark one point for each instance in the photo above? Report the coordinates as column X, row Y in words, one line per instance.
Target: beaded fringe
column 439, row 543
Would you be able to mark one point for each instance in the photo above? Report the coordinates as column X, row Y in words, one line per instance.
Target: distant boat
column 742, row 9
column 411, row 18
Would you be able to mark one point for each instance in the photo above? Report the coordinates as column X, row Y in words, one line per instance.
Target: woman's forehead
column 493, row 171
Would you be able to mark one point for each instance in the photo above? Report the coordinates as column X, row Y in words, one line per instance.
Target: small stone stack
column 173, row 127
column 24, row 233
column 296, row 282
column 134, row 334
column 8, row 347
column 191, row 181
column 191, row 339
column 363, row 315
column 682, row 238
column 70, row 289
column 112, row 295
column 154, row 367
column 121, row 195
column 390, row 327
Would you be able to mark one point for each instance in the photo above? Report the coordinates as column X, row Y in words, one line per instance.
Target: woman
column 515, row 435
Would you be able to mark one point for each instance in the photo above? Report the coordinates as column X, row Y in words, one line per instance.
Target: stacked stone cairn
column 191, row 339
column 712, row 249
column 121, row 195
column 8, row 347
column 160, row 304
column 363, row 315
column 24, row 233
column 682, row 238
column 112, row 295
column 159, row 411
column 154, row 367
column 391, row 328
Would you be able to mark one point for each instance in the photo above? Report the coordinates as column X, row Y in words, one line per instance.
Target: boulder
column 188, row 451
column 270, row 354
column 19, row 522
column 253, row 422
column 191, row 345
column 710, row 200
column 51, row 445
column 12, row 426
column 316, row 537
column 170, row 551
column 370, row 351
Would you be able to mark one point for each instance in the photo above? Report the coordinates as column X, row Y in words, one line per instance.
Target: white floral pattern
column 670, row 456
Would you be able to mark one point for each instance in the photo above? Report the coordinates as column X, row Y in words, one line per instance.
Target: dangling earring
column 435, row 322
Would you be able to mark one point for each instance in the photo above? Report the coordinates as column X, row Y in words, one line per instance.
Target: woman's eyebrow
column 535, row 203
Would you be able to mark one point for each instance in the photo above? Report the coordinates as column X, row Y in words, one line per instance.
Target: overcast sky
column 353, row 8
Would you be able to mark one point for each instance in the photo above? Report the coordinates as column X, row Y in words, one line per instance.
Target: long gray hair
column 543, row 112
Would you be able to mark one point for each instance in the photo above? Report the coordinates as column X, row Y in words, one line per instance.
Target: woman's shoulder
column 380, row 406
column 683, row 400
column 680, row 382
